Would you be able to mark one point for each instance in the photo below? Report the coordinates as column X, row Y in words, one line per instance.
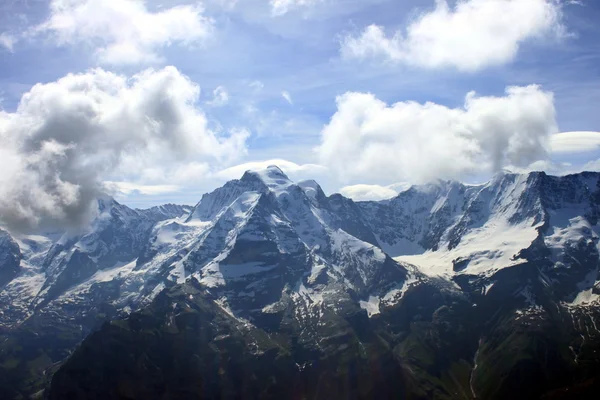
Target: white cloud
column 469, row 36
column 548, row 166
column 294, row 171
column 124, row 31
column 366, row 139
column 67, row 137
column 7, row 41
column 286, row 95
column 592, row 166
column 575, row 142
column 281, row 7
column 220, row 97
column 127, row 188
column 256, row 86
column 363, row 192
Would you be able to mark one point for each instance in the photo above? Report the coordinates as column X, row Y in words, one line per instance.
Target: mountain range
column 268, row 288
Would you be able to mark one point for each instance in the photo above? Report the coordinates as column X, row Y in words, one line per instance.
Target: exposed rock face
column 10, row 258
column 186, row 346
column 268, row 289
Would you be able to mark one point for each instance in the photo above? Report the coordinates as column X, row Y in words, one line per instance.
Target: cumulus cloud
column 364, row 192
column 67, row 137
column 281, row 7
column 123, row 31
column 220, row 97
column 469, row 36
column 367, row 139
column 575, row 142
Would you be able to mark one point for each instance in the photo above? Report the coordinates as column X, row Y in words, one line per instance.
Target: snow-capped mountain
column 54, row 265
column 262, row 235
column 449, row 229
column 433, row 284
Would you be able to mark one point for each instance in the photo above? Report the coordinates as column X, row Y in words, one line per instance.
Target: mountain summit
column 430, row 289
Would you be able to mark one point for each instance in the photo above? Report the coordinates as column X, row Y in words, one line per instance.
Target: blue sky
column 254, row 51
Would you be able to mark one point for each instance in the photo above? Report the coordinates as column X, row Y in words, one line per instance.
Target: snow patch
column 310, row 188
column 315, row 272
column 157, row 289
column 489, row 249
column 371, row 305
column 396, row 294
column 585, row 297
column 119, row 270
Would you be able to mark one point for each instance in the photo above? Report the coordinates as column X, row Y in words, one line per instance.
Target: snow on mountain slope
column 23, row 257
column 571, row 233
column 413, row 221
column 55, row 262
column 483, row 251
column 10, row 257
column 165, row 211
column 486, row 232
column 282, row 255
column 268, row 233
column 449, row 228
column 252, row 243
column 254, row 237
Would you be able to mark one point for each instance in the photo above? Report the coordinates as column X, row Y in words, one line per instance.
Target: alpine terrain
column 270, row 289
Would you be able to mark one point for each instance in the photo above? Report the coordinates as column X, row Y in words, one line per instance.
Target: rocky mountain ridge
column 433, row 286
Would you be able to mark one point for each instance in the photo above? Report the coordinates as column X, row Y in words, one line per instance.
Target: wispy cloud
column 220, row 97
column 256, row 86
column 128, row 188
column 281, row 7
column 286, row 95
column 7, row 41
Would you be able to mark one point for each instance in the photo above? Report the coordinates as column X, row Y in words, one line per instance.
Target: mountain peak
column 311, row 188
column 272, row 176
column 275, row 169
